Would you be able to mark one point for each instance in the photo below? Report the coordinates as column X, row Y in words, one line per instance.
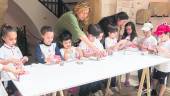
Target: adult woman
column 118, row 19
column 75, row 22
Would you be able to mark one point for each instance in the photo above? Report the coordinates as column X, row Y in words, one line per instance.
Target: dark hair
column 5, row 29
column 112, row 29
column 133, row 34
column 65, row 36
column 122, row 16
column 45, row 29
column 94, row 30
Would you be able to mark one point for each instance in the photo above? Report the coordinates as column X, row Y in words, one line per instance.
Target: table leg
column 141, row 82
column 148, row 82
column 61, row 93
column 54, row 94
column 2, row 90
column 108, row 86
column 119, row 82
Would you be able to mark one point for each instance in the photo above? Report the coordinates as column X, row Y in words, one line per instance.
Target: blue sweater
column 42, row 51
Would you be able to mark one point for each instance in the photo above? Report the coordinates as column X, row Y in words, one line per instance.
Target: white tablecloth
column 43, row 79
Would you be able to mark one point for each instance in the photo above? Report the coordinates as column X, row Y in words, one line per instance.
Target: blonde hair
column 79, row 7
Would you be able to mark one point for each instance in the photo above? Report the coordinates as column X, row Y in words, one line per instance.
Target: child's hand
column 14, row 70
column 15, row 61
column 88, row 53
column 48, row 60
column 143, row 47
column 162, row 50
column 101, row 54
column 57, row 58
column 109, row 51
column 24, row 59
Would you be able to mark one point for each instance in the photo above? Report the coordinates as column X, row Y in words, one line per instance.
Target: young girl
column 111, row 40
column 128, row 40
column 10, row 52
column 47, row 52
column 161, row 71
column 68, row 51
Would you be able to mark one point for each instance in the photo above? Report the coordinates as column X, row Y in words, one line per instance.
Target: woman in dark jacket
column 118, row 19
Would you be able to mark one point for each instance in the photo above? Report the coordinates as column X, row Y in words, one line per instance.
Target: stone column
column 3, row 8
column 95, row 13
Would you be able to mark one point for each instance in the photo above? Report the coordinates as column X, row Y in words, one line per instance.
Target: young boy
column 93, row 32
column 148, row 43
column 47, row 52
column 161, row 72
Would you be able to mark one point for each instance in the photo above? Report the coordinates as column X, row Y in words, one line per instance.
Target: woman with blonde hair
column 75, row 22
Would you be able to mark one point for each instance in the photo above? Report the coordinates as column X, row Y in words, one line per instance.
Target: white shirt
column 109, row 42
column 48, row 50
column 96, row 43
column 71, row 54
column 164, row 67
column 1, row 67
column 150, row 42
column 7, row 52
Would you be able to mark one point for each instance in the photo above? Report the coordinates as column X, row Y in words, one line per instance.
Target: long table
column 42, row 79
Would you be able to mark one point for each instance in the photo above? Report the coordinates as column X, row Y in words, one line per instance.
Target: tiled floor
column 131, row 91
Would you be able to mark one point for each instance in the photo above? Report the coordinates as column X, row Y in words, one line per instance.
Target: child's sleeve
column 39, row 55
column 107, row 43
column 99, row 45
column 155, row 42
column 82, row 45
column 57, row 51
column 1, row 67
column 1, row 53
column 19, row 52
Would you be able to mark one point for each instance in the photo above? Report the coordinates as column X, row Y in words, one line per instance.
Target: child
column 68, row 51
column 46, row 51
column 93, row 32
column 11, row 53
column 161, row 72
column 129, row 36
column 148, row 43
column 111, row 40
